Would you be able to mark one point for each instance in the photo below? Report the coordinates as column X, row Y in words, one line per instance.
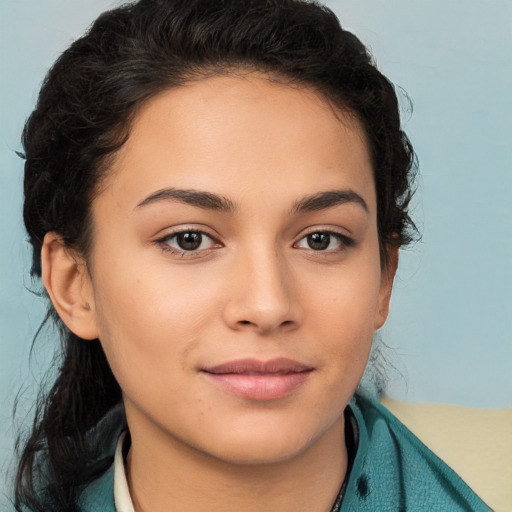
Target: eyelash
column 164, row 243
column 344, row 242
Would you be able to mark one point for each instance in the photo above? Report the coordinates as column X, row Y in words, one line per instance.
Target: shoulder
column 98, row 496
column 393, row 470
column 86, row 484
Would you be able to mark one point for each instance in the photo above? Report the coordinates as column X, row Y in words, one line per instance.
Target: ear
column 69, row 286
column 386, row 285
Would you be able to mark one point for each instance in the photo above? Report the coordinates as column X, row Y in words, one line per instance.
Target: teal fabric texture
column 393, row 471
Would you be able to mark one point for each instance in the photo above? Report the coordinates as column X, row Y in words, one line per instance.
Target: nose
column 263, row 294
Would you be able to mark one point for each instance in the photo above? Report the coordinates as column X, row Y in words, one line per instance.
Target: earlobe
column 386, row 287
column 68, row 284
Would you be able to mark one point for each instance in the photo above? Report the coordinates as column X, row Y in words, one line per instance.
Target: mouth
column 259, row 380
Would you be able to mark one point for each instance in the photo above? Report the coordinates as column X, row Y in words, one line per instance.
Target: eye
column 187, row 241
column 324, row 241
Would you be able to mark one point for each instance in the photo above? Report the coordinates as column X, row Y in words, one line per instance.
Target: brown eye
column 328, row 241
column 318, row 241
column 193, row 242
column 189, row 241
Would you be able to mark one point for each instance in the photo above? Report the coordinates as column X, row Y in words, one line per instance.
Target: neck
column 164, row 473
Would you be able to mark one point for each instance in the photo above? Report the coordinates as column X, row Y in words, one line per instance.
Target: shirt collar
column 122, row 496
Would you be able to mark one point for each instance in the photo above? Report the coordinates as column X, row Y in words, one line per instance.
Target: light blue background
column 450, row 331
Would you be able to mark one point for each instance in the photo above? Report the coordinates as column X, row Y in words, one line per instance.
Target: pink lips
column 259, row 380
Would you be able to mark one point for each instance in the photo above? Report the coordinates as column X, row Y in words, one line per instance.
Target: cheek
column 148, row 319
column 151, row 325
column 346, row 301
column 341, row 314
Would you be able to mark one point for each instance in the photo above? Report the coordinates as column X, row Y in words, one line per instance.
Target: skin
column 254, row 288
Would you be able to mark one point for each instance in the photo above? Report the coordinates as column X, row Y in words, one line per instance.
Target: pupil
column 319, row 241
column 189, row 241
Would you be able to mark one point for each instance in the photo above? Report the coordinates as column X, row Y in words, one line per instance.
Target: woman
column 216, row 193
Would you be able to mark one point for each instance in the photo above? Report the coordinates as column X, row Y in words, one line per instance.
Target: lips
column 253, row 366
column 259, row 380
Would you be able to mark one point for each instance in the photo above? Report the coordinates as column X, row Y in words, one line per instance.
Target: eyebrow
column 210, row 201
column 200, row 199
column 328, row 199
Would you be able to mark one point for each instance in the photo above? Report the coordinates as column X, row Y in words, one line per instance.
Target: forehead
column 235, row 134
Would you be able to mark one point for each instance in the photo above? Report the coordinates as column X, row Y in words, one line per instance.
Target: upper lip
column 280, row 365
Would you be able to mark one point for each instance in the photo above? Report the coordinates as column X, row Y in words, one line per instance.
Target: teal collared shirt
column 393, row 471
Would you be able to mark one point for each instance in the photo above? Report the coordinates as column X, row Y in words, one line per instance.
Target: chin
column 265, row 444
column 252, row 453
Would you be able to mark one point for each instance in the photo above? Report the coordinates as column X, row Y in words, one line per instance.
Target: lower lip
column 259, row 387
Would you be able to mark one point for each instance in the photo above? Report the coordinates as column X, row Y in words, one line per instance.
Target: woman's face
column 235, row 278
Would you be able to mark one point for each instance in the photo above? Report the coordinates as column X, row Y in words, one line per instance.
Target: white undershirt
column 122, row 498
